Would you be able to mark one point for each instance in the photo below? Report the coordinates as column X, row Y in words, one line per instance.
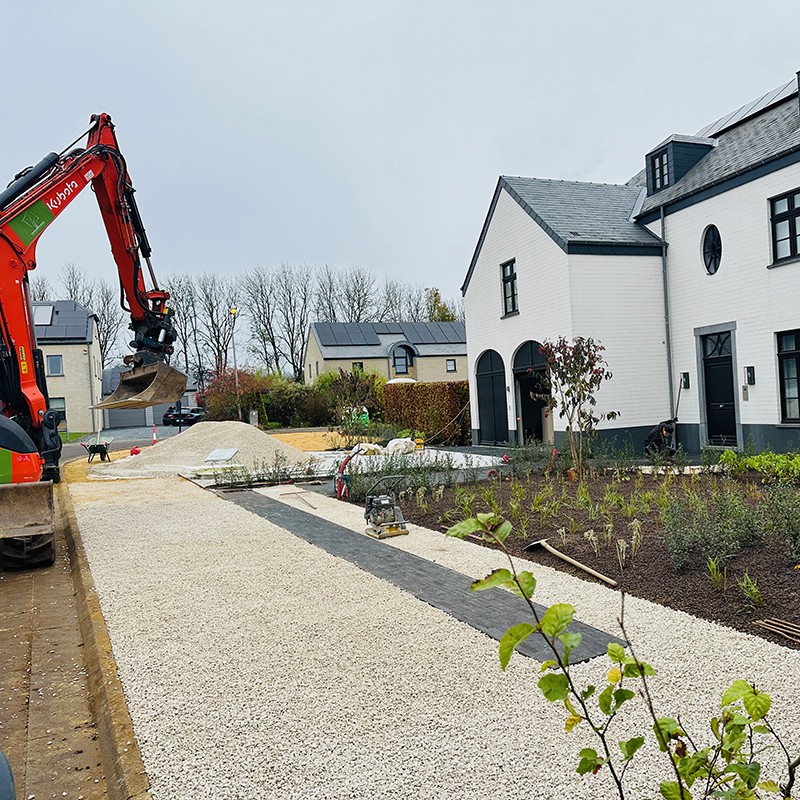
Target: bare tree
column 260, row 301
column 327, row 294
column 391, row 301
column 216, row 296
column 103, row 301
column 295, row 302
column 415, row 307
column 358, row 295
column 39, row 289
column 111, row 320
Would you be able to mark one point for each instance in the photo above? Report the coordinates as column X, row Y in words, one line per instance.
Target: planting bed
column 649, row 573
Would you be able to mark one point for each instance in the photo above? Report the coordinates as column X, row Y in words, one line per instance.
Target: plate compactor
column 383, row 515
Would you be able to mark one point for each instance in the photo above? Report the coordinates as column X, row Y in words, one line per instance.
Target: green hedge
column 439, row 410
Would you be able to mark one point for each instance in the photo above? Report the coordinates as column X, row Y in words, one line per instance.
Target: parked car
column 187, row 416
column 168, row 417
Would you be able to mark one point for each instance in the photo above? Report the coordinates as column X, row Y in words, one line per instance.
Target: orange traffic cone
column 155, row 441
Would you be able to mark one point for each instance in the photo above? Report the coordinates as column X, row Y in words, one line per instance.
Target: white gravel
column 258, row 666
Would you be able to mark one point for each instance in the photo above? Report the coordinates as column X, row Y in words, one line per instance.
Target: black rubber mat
column 492, row 611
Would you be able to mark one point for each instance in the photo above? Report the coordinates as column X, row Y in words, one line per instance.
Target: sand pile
column 188, row 450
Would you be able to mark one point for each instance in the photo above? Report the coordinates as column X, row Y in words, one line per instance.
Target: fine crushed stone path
column 259, row 666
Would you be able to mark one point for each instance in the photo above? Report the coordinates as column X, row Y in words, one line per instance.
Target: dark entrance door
column 720, row 391
column 491, row 384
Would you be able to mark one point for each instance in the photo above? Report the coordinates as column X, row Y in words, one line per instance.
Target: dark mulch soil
column 650, row 575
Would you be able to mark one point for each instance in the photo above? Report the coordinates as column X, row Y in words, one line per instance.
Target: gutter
column 667, row 330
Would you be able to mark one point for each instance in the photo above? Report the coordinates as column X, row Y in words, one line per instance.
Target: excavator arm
column 32, row 201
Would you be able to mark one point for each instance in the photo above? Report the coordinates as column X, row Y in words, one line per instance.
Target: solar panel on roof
column 750, row 109
column 325, row 334
column 438, row 334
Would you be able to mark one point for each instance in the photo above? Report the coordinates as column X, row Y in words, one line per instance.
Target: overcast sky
column 362, row 133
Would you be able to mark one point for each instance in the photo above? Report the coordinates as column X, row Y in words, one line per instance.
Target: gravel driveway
column 258, row 666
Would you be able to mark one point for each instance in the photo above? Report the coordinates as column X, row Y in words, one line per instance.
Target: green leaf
column 635, row 669
column 501, row 533
column 616, row 652
column 757, row 704
column 670, row 790
column 588, row 691
column 736, row 691
column 487, row 521
column 527, row 582
column 589, row 761
column 547, row 664
column 666, row 728
column 498, row 577
column 570, row 642
column 749, row 773
column 554, row 686
column 630, row 747
column 511, row 638
column 769, row 786
column 604, row 700
column 621, row 696
column 464, row 528
column 557, row 618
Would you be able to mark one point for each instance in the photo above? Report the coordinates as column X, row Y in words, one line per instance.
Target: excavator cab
column 149, row 385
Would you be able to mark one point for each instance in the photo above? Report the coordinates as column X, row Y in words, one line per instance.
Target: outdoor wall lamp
column 750, row 376
column 684, row 380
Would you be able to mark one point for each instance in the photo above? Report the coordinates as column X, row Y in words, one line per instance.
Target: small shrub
column 718, row 574
column 753, row 598
column 779, row 517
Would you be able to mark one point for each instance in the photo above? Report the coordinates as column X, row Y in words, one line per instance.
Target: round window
column 712, row 249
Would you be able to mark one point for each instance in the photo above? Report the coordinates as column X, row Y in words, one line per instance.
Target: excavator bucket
column 27, row 525
column 146, row 386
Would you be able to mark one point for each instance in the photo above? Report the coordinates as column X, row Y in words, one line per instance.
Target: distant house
column 66, row 333
column 689, row 274
column 422, row 351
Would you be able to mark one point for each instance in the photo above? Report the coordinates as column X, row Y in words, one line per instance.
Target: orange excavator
column 30, row 446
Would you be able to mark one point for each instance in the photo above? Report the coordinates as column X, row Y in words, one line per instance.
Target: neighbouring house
column 689, row 274
column 66, row 334
column 422, row 351
column 137, row 417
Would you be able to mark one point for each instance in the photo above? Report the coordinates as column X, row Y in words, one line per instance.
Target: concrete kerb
column 124, row 770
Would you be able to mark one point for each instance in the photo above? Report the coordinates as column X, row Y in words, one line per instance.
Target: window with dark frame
column 789, row 369
column 509, row 272
column 55, row 365
column 785, row 212
column 358, row 366
column 451, row 365
column 660, row 170
column 402, row 359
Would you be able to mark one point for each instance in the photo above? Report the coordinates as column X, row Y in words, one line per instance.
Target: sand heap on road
column 189, row 449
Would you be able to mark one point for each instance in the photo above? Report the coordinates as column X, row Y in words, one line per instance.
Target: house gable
column 579, row 217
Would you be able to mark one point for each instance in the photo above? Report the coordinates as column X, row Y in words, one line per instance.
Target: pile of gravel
column 188, row 450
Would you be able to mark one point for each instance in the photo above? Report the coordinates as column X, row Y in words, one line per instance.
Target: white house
column 689, row 274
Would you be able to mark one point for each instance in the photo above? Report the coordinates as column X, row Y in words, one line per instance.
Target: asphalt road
column 121, row 439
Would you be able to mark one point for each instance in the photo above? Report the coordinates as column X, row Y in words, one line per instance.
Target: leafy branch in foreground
column 726, row 768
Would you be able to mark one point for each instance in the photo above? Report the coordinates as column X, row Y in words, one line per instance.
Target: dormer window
column 660, row 170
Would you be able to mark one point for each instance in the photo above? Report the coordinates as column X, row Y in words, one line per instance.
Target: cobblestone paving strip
column 492, row 611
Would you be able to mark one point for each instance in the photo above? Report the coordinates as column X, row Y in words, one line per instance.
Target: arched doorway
column 490, row 379
column 533, row 391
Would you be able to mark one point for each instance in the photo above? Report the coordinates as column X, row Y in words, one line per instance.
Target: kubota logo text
column 55, row 202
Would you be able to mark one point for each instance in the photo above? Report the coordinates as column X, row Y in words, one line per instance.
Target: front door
column 720, row 391
column 491, row 383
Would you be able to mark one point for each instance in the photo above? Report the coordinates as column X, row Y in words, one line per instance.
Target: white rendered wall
column 618, row 301
column 760, row 301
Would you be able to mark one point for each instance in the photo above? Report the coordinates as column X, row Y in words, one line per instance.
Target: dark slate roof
column 754, row 141
column 334, row 334
column 70, row 322
column 579, row 212
column 577, row 216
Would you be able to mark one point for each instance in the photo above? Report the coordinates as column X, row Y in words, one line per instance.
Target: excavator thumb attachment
column 145, row 386
column 26, row 525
